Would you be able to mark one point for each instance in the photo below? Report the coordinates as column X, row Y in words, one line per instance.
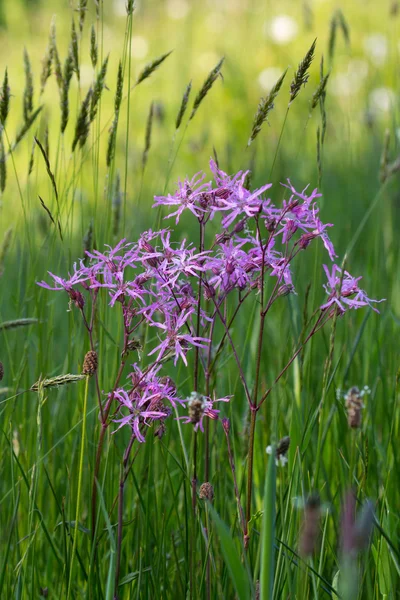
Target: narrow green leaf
column 235, row 568
column 268, row 532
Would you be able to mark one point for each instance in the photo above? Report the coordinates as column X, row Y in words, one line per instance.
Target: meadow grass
column 67, row 192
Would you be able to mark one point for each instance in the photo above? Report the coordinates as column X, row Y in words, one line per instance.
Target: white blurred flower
column 376, row 48
column 215, row 22
column 207, row 61
column 349, row 82
column 177, row 9
column 269, row 77
column 281, row 29
column 140, row 47
column 281, row 459
column 381, row 100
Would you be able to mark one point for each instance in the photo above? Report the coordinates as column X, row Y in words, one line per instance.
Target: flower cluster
column 159, row 283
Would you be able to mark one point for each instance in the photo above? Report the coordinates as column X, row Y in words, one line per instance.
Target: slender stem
column 121, row 512
column 250, row 471
column 78, row 497
column 235, row 485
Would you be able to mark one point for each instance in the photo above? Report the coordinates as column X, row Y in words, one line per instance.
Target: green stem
column 250, row 471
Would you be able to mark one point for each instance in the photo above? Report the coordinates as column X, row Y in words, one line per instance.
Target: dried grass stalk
column 4, row 99
column 83, row 122
column 264, row 108
column 17, row 323
column 147, row 142
column 151, row 67
column 98, row 89
column 56, row 381
column 93, row 47
column 183, row 106
column 301, row 76
column 206, row 87
column 66, row 80
column 28, row 91
column 4, row 248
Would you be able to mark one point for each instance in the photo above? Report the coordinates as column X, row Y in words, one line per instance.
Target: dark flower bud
column 226, row 424
column 222, row 238
column 310, row 527
column 285, row 290
column 1, row 371
column 209, row 291
column 270, row 225
column 239, row 226
column 76, row 298
column 90, row 363
column 206, row 492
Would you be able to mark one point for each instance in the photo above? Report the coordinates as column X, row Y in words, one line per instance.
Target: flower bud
column 354, row 406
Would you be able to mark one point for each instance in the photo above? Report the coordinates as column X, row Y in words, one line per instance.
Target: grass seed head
column 206, row 492
column 301, row 76
column 1, row 371
column 90, row 363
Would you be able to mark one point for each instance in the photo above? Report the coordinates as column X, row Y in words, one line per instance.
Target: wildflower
column 186, row 197
column 200, row 407
column 137, row 414
column 206, row 492
column 344, row 293
column 174, row 341
column 75, row 296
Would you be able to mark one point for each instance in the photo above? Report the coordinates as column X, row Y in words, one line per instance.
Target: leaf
column 268, row 532
column 236, row 570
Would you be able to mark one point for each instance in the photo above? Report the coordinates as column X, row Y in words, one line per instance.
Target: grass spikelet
column 151, row 67
column 26, row 126
column 301, row 76
column 183, row 106
column 66, row 80
column 130, row 7
column 57, row 381
column 17, row 323
column 116, row 205
column 112, row 136
column 98, row 89
column 46, row 69
column 320, row 91
column 5, row 99
column 55, row 58
column 32, row 158
column 207, row 85
column 88, row 241
column 4, row 248
column 3, row 170
column 147, row 142
column 264, row 108
column 93, row 47
column 28, row 91
column 75, row 50
column 82, row 8
column 337, row 21
column 53, row 182
column 120, row 85
column 83, row 122
column 50, row 216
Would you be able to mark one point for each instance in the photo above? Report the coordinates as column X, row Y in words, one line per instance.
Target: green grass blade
column 268, row 532
column 236, row 569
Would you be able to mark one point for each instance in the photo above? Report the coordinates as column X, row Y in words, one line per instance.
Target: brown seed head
column 90, row 363
column 283, row 446
column 354, row 406
column 196, row 407
column 310, row 527
column 206, row 492
column 1, row 371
